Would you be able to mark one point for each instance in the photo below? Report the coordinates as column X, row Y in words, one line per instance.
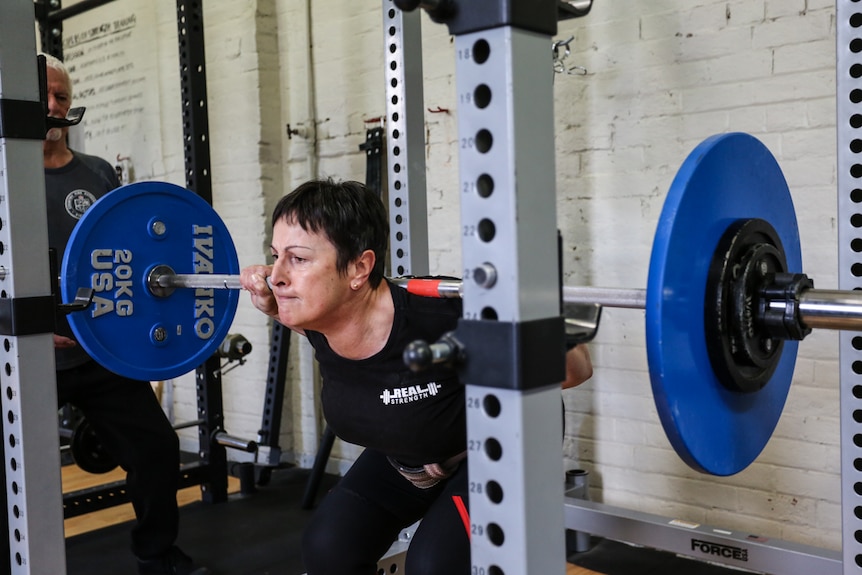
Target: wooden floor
column 74, row 479
column 575, row 570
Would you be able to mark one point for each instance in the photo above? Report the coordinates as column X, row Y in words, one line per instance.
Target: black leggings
column 362, row 516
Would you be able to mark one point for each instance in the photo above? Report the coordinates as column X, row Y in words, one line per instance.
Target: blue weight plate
column 113, row 248
column 726, row 178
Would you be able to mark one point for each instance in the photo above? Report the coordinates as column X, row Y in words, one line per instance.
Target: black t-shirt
column 70, row 191
column 379, row 403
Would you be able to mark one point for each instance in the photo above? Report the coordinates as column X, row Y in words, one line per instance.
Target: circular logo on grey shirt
column 78, row 202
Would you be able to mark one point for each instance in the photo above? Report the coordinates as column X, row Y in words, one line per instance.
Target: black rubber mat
column 256, row 534
column 615, row 558
column 259, row 534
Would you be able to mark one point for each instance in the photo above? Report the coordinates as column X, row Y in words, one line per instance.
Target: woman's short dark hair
column 352, row 217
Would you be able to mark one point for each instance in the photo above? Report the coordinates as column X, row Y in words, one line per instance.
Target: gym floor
column 259, row 534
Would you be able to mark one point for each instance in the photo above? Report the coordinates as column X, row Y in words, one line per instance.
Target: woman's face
column 307, row 286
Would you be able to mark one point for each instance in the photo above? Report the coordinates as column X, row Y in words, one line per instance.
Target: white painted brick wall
column 762, row 67
column 662, row 76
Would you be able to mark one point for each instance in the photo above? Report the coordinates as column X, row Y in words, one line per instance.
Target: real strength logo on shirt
column 410, row 393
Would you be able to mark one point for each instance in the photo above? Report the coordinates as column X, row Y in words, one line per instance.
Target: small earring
column 354, row 286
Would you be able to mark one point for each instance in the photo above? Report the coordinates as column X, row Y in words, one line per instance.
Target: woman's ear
column 362, row 268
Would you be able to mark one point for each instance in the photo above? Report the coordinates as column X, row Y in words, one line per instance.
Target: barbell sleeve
column 818, row 308
column 830, row 309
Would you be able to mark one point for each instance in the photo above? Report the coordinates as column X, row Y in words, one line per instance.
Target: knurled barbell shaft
column 197, row 281
column 818, row 309
column 607, row 297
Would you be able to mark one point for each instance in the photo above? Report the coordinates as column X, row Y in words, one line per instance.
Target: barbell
column 725, row 301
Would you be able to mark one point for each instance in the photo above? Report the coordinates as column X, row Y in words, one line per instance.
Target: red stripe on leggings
column 462, row 511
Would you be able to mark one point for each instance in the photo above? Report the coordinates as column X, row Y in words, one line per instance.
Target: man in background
column 125, row 414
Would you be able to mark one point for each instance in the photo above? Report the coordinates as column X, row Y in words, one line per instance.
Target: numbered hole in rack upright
column 493, row 449
column 491, row 405
column 489, row 314
column 494, row 491
column 482, row 96
column 486, row 230
column 481, row 51
column 484, row 141
column 485, row 186
column 494, row 570
column 496, row 534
